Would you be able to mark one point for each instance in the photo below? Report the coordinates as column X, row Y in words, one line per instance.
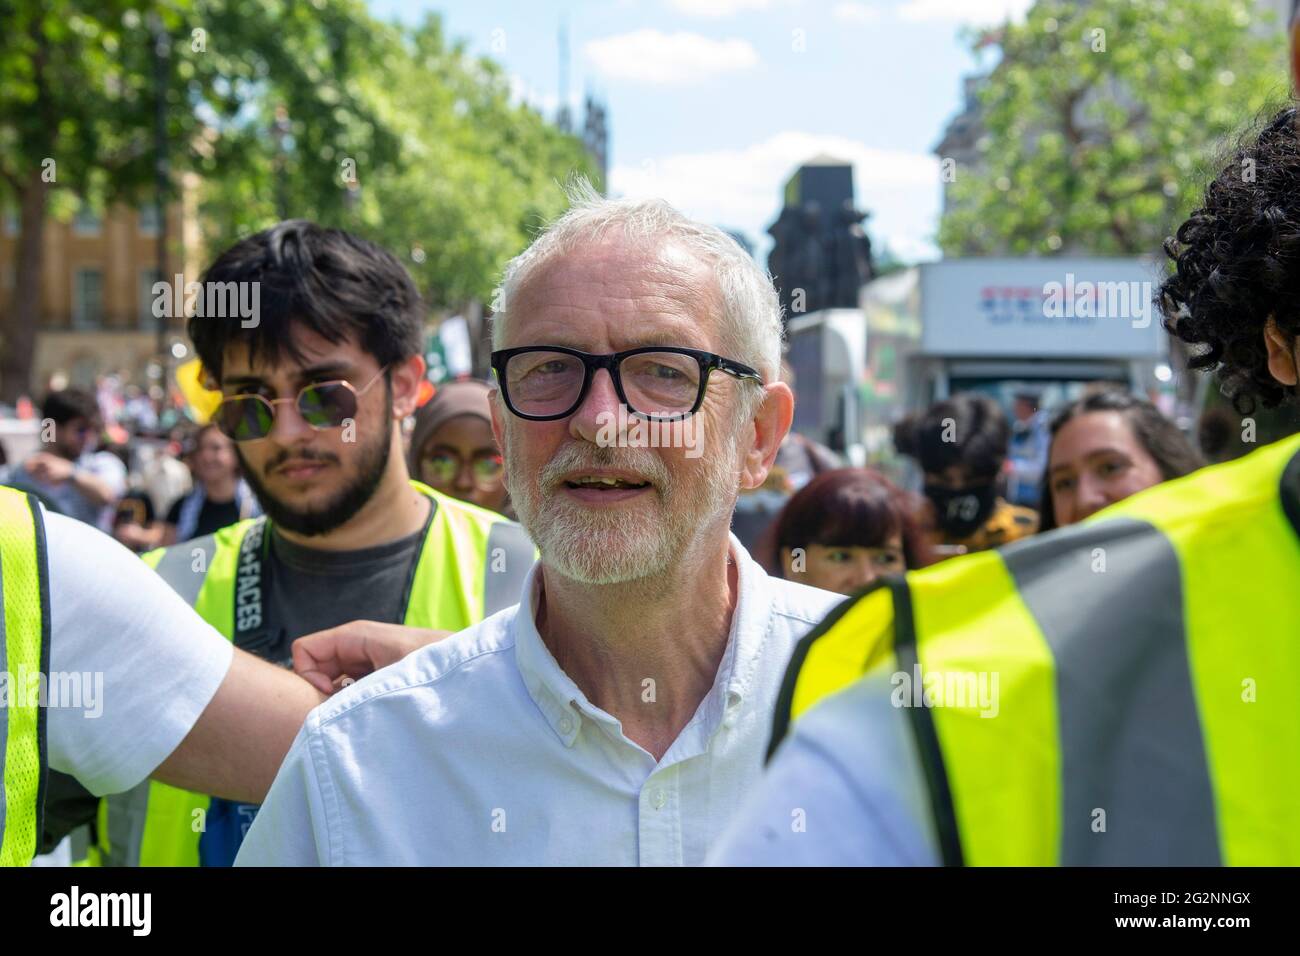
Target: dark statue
column 821, row 255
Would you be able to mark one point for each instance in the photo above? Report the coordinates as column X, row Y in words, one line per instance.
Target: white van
column 1051, row 326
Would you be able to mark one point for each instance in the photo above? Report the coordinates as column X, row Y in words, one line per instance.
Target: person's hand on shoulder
column 333, row 658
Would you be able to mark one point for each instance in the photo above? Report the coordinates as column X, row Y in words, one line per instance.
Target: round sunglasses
column 442, row 467
column 322, row 405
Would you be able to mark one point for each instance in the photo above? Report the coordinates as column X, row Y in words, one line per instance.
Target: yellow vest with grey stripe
column 472, row 564
column 24, row 654
column 1145, row 663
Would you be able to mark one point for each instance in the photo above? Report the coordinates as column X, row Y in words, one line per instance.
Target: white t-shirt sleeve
column 145, row 663
column 291, row 828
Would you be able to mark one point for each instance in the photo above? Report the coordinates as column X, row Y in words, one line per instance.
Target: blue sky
column 714, row 103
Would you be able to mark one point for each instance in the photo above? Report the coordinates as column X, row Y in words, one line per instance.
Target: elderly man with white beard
column 617, row 715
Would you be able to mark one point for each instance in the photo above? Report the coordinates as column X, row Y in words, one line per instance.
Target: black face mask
column 961, row 511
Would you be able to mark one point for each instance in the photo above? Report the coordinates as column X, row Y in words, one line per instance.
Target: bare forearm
column 238, row 744
column 96, row 491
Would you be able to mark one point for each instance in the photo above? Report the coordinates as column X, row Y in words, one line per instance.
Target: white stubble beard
column 612, row 547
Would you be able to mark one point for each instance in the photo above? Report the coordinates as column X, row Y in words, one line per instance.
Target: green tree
column 77, row 111
column 1100, row 119
column 483, row 173
column 474, row 177
column 69, row 117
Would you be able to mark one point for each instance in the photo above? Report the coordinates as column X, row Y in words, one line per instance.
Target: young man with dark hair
column 961, row 445
column 72, row 476
column 314, row 389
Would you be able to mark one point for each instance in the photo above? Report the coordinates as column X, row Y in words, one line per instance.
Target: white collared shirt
column 479, row 750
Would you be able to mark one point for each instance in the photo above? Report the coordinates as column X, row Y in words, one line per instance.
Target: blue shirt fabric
column 845, row 789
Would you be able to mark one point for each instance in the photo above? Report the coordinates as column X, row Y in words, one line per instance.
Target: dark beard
column 372, row 461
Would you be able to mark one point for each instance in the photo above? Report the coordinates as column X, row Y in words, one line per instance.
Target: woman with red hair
column 844, row 529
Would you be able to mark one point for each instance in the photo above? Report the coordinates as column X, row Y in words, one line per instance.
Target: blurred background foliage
column 283, row 108
column 1098, row 140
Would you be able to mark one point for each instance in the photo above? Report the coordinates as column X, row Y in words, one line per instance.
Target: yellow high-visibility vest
column 472, row 564
column 1146, row 664
column 24, row 656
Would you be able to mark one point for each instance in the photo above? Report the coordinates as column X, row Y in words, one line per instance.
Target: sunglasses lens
column 441, row 469
column 327, row 405
column 487, row 468
column 244, row 418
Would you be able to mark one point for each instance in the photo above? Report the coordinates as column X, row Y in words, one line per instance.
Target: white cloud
column 969, row 12
column 716, row 9
column 855, row 13
column 649, row 56
column 741, row 188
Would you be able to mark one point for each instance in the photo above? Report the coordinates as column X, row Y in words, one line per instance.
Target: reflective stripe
column 177, row 563
column 1241, row 575
column 143, row 823
column 81, row 846
column 974, row 633
column 1132, row 757
column 928, row 752
column 126, row 822
column 216, row 601
column 447, row 590
column 509, row 555
column 25, row 645
column 153, row 824
column 455, row 583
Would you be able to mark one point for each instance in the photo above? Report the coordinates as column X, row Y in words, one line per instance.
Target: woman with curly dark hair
column 844, row 529
column 1235, row 291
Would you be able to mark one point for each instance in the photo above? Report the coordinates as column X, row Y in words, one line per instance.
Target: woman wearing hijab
column 452, row 449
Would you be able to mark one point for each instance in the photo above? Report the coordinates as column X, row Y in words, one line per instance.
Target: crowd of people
column 477, row 629
column 842, row 528
column 838, row 528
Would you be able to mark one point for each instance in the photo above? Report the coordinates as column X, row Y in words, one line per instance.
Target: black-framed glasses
column 443, row 466
column 322, row 405
column 659, row 383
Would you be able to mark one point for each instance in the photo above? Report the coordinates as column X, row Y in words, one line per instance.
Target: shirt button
column 659, row 799
column 565, row 725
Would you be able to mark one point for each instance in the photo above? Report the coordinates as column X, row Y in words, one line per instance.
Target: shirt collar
column 562, row 703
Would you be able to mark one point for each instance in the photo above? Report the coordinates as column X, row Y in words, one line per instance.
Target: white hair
column 750, row 323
